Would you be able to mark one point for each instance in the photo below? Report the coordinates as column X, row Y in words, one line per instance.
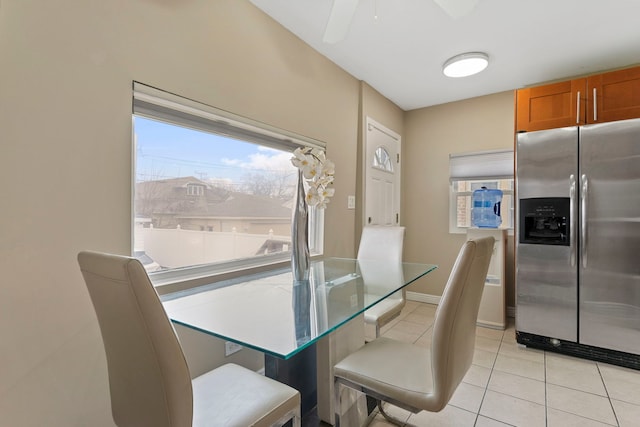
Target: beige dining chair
column 149, row 379
column 383, row 243
column 418, row 378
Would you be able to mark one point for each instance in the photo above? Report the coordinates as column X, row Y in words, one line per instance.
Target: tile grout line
column 586, row 418
column 546, row 398
column 406, row 422
column 606, row 396
column 606, row 390
column 486, row 388
column 578, row 390
column 520, row 358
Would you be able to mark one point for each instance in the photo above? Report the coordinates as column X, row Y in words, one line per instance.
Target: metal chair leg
column 388, row 417
column 337, row 403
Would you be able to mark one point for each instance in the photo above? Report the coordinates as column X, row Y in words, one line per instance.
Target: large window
column 213, row 192
column 469, row 172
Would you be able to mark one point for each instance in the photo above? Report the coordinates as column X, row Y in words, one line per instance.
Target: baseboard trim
column 491, row 325
column 435, row 299
column 420, row 297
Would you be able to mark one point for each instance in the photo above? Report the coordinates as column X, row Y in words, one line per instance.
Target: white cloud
column 230, row 162
column 265, row 159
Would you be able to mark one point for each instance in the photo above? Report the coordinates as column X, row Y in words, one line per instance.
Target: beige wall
column 65, row 140
column 430, row 135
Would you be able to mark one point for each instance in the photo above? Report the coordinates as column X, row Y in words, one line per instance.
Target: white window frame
column 195, row 190
column 153, row 103
column 479, row 166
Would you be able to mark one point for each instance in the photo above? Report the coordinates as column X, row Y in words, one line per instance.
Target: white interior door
column 382, row 175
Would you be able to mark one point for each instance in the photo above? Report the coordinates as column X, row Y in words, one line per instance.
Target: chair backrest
column 454, row 329
column 381, row 242
column 149, row 378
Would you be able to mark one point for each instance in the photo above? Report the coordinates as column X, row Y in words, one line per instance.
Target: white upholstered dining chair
column 419, row 378
column 383, row 243
column 149, row 379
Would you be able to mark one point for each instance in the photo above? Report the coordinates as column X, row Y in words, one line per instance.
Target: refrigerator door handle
column 572, row 220
column 583, row 222
column 595, row 104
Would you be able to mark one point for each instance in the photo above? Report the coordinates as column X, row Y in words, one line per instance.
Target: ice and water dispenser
column 545, row 221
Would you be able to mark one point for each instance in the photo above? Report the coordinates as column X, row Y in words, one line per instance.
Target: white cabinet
column 492, row 313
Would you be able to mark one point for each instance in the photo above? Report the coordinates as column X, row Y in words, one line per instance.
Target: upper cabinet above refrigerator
column 594, row 99
column 614, row 96
column 551, row 106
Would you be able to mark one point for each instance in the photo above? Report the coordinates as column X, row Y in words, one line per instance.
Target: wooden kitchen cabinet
column 598, row 98
column 551, row 106
column 614, row 96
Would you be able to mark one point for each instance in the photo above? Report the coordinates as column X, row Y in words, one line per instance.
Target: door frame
column 371, row 125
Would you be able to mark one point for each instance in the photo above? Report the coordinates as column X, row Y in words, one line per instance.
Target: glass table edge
column 429, row 268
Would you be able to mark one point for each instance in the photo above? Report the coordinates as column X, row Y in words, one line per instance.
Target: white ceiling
column 401, row 52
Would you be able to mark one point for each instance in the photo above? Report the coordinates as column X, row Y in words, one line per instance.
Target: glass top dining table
column 272, row 313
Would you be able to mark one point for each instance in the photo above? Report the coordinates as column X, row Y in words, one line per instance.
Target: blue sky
column 169, row 151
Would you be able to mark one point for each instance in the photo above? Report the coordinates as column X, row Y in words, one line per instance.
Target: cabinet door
column 614, row 96
column 551, row 106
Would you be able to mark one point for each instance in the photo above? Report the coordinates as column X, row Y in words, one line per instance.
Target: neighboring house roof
column 240, row 204
column 171, row 196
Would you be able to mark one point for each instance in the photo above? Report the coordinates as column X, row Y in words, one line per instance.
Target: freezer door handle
column 584, row 194
column 572, row 220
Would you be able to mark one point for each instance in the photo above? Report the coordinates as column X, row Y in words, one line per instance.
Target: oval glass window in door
column 381, row 160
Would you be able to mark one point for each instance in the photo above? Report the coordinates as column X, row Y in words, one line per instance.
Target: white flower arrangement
column 318, row 172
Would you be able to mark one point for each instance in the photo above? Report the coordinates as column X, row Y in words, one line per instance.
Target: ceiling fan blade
column 456, row 8
column 339, row 20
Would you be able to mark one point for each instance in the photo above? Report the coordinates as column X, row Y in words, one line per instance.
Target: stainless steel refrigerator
column 578, row 241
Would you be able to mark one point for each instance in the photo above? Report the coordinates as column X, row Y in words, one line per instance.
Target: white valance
column 157, row 104
column 495, row 164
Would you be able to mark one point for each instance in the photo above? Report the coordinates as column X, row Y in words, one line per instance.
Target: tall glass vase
column 300, row 234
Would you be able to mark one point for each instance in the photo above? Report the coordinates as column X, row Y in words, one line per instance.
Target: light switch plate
column 351, row 202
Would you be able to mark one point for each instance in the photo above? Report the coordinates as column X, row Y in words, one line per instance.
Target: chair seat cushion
column 235, row 396
column 384, row 311
column 392, row 368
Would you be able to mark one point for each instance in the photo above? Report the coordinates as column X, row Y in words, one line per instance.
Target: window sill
column 176, row 280
column 461, row 230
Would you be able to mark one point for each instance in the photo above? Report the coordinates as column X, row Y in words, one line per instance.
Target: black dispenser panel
column 545, row 221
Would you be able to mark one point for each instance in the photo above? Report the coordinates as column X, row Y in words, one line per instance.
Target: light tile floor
column 511, row 385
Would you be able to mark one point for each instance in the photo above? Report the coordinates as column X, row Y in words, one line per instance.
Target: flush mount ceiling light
column 465, row 64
